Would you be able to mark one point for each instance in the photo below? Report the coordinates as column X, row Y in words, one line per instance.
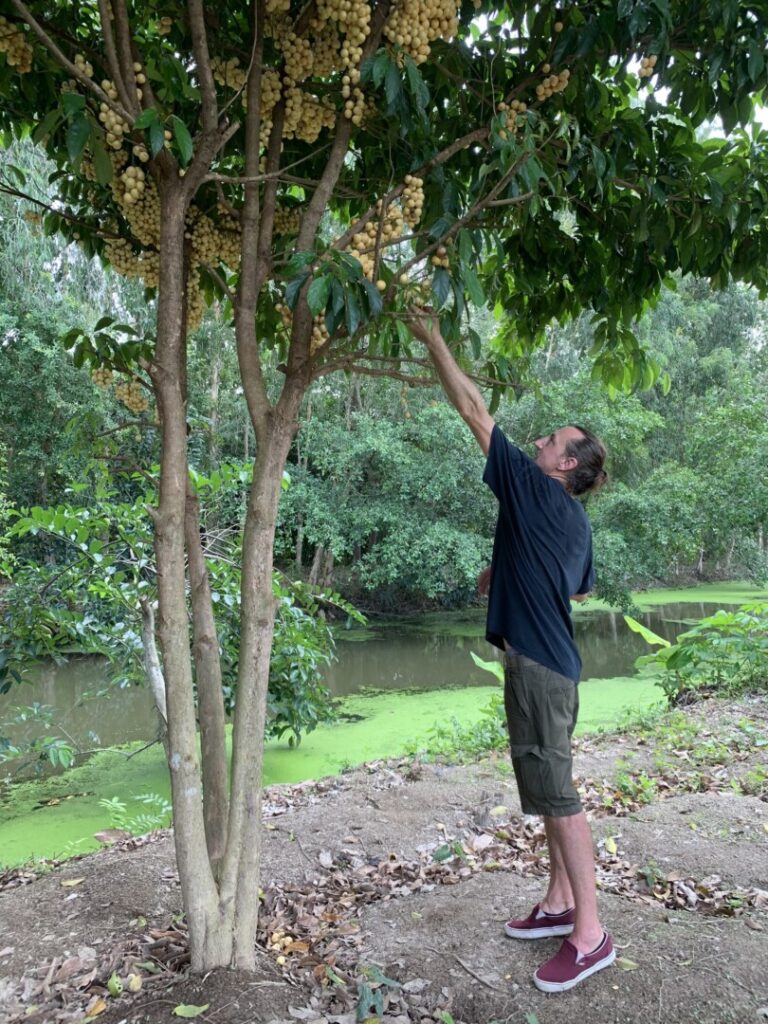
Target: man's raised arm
column 461, row 391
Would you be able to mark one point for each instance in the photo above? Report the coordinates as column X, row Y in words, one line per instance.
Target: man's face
column 551, row 456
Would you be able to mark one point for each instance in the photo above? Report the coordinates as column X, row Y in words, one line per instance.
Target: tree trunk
column 213, row 447
column 152, row 667
column 299, row 544
column 210, row 944
column 240, row 876
column 317, row 564
column 210, row 699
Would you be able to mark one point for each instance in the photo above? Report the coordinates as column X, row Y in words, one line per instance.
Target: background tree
column 202, row 152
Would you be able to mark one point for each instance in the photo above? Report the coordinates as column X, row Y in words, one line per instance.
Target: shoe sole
column 563, row 986
column 552, row 931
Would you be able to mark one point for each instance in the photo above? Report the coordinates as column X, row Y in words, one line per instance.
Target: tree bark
column 210, row 944
column 210, row 701
column 240, row 876
column 152, row 666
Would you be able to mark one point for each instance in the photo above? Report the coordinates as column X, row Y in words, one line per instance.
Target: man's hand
column 461, row 391
column 424, row 325
column 580, row 598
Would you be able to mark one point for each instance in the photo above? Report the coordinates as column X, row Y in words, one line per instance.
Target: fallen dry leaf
column 69, row 883
column 626, row 964
column 96, row 1006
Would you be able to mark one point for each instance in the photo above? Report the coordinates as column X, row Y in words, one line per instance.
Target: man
column 542, row 559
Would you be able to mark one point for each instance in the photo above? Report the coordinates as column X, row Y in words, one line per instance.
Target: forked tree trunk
column 208, row 945
column 240, row 876
column 210, row 699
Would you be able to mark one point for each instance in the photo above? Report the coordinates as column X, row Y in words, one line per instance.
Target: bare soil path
column 386, row 890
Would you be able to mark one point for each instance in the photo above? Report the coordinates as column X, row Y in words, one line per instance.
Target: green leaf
column 393, row 85
column 101, row 162
column 46, row 126
column 755, row 62
column 183, row 139
column 78, row 134
column 473, row 286
column 17, row 173
column 375, row 304
column 441, row 287
column 380, row 67
column 156, row 137
column 146, row 118
column 647, row 634
column 318, row 293
column 352, row 312
column 189, row 1010
column 72, row 102
column 293, row 288
column 494, row 667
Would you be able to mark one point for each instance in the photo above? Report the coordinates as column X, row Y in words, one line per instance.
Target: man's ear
column 568, row 462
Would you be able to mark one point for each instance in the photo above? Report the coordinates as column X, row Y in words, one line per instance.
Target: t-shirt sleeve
column 588, row 582
column 504, row 467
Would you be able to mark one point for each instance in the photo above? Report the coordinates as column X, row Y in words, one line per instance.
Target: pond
column 423, row 668
column 428, row 653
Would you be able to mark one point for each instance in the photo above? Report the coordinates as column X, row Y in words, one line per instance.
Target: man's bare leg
column 571, row 852
column 559, row 897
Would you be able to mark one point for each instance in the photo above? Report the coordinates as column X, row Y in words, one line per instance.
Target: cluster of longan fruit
column 102, row 377
column 140, row 205
column 306, row 115
column 354, row 104
column 354, row 19
column 131, row 394
column 133, row 181
column 299, row 56
column 508, row 116
column 647, row 64
column 195, row 302
column 440, row 257
column 228, row 72
column 211, row 243
column 83, row 66
column 287, row 220
column 552, row 83
column 164, row 25
column 278, row 942
column 13, row 43
column 414, row 24
column 363, row 244
column 320, row 335
column 114, row 126
column 413, row 199
column 126, row 262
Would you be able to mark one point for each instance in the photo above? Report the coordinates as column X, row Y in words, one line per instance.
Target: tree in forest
column 320, row 166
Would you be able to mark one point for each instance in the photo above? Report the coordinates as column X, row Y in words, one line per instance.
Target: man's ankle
column 587, row 942
column 555, row 907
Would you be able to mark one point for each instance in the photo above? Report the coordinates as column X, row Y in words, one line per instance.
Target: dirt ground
column 386, row 890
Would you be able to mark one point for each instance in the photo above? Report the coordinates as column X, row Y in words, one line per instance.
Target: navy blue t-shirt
column 542, row 554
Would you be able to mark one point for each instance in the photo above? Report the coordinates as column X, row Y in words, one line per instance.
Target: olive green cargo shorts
column 541, row 707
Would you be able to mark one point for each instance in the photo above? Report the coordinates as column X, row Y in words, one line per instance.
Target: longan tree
column 318, row 166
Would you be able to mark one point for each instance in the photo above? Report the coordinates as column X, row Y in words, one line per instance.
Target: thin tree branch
column 220, row 281
column 113, row 64
column 209, row 103
column 248, row 287
column 10, row 190
column 125, row 53
column 71, row 68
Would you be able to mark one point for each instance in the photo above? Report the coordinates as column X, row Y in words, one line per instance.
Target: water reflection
column 434, row 654
column 428, row 653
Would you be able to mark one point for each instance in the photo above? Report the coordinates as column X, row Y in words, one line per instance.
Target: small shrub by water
column 725, row 653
